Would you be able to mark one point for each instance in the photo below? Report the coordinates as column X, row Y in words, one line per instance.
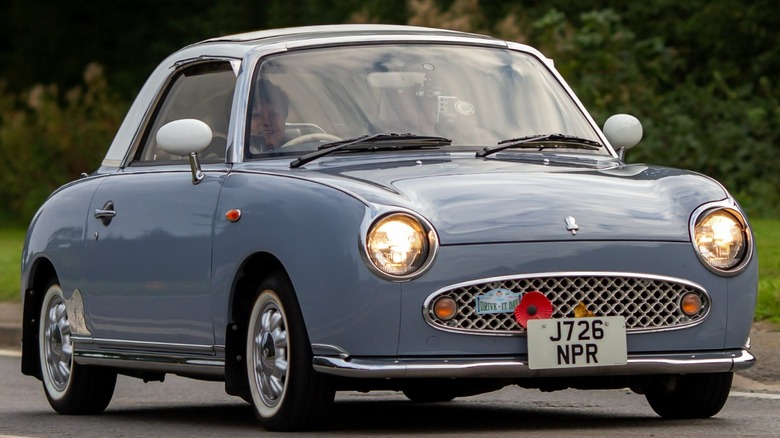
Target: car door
column 148, row 271
column 149, row 264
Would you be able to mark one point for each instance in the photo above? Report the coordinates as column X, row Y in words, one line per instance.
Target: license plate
column 576, row 342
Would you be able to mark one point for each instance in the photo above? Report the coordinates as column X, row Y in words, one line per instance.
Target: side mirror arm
column 197, row 172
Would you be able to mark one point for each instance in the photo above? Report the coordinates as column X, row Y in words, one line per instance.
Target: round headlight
column 721, row 239
column 399, row 245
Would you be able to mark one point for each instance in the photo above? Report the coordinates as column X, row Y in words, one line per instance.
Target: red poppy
column 533, row 305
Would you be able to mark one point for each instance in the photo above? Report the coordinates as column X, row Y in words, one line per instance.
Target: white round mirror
column 623, row 131
column 183, row 137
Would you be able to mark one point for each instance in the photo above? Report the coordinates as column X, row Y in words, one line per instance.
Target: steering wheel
column 316, row 136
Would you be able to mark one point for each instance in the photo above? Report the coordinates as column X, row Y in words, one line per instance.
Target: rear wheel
column 287, row 394
column 70, row 388
column 693, row 396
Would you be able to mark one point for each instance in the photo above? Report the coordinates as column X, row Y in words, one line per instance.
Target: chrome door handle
column 105, row 214
column 100, row 214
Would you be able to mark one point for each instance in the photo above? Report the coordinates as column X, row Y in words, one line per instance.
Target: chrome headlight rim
column 729, row 207
column 426, row 227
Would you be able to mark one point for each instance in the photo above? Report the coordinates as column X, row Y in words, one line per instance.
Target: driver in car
column 267, row 121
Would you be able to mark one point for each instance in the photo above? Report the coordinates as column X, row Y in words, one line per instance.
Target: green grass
column 11, row 241
column 768, row 243
column 767, row 233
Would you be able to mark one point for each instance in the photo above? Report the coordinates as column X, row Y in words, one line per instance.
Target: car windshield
column 475, row 96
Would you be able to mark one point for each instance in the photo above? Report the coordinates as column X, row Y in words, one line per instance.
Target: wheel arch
column 256, row 267
column 41, row 274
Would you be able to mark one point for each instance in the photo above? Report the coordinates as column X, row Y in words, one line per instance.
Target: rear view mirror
column 183, row 137
column 395, row 79
column 186, row 138
column 623, row 131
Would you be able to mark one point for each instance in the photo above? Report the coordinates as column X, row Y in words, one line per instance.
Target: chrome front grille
column 648, row 303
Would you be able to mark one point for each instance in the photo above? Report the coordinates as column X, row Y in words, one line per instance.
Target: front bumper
column 513, row 367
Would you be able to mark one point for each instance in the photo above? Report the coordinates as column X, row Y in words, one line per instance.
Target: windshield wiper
column 375, row 142
column 548, row 141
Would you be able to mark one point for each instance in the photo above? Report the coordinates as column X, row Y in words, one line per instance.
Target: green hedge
column 50, row 137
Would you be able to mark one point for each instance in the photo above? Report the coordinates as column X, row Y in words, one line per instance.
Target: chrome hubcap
column 58, row 349
column 270, row 354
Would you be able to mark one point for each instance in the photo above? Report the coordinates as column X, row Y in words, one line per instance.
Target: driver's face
column 268, row 121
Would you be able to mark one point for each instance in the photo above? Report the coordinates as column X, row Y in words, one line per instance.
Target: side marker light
column 233, row 215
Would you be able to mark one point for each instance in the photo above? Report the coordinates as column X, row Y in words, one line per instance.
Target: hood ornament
column 571, row 225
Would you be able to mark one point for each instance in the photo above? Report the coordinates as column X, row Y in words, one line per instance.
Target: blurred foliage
column 50, row 137
column 700, row 75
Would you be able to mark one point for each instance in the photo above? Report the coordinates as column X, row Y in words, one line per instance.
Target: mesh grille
column 646, row 303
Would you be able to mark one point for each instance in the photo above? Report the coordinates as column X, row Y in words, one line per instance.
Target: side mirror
column 186, row 137
column 183, row 137
column 623, row 132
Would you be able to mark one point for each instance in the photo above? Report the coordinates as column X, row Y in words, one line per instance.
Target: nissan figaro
column 302, row 211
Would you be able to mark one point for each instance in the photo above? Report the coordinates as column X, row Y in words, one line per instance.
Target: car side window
column 203, row 91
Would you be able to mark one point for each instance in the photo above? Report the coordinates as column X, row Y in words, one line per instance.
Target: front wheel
column 70, row 388
column 287, row 394
column 693, row 396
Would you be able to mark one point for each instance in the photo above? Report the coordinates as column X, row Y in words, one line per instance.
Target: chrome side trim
column 153, row 362
column 517, row 367
column 163, row 347
column 200, row 360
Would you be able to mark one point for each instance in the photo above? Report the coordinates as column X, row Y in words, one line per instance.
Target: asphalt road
column 186, row 408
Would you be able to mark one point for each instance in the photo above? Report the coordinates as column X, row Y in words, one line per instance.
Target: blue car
column 302, row 211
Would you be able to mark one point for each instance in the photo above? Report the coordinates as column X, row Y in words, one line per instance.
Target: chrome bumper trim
column 513, row 367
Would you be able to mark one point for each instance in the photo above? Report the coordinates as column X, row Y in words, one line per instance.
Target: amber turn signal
column 690, row 304
column 445, row 308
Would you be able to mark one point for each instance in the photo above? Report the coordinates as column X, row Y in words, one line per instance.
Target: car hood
column 472, row 200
